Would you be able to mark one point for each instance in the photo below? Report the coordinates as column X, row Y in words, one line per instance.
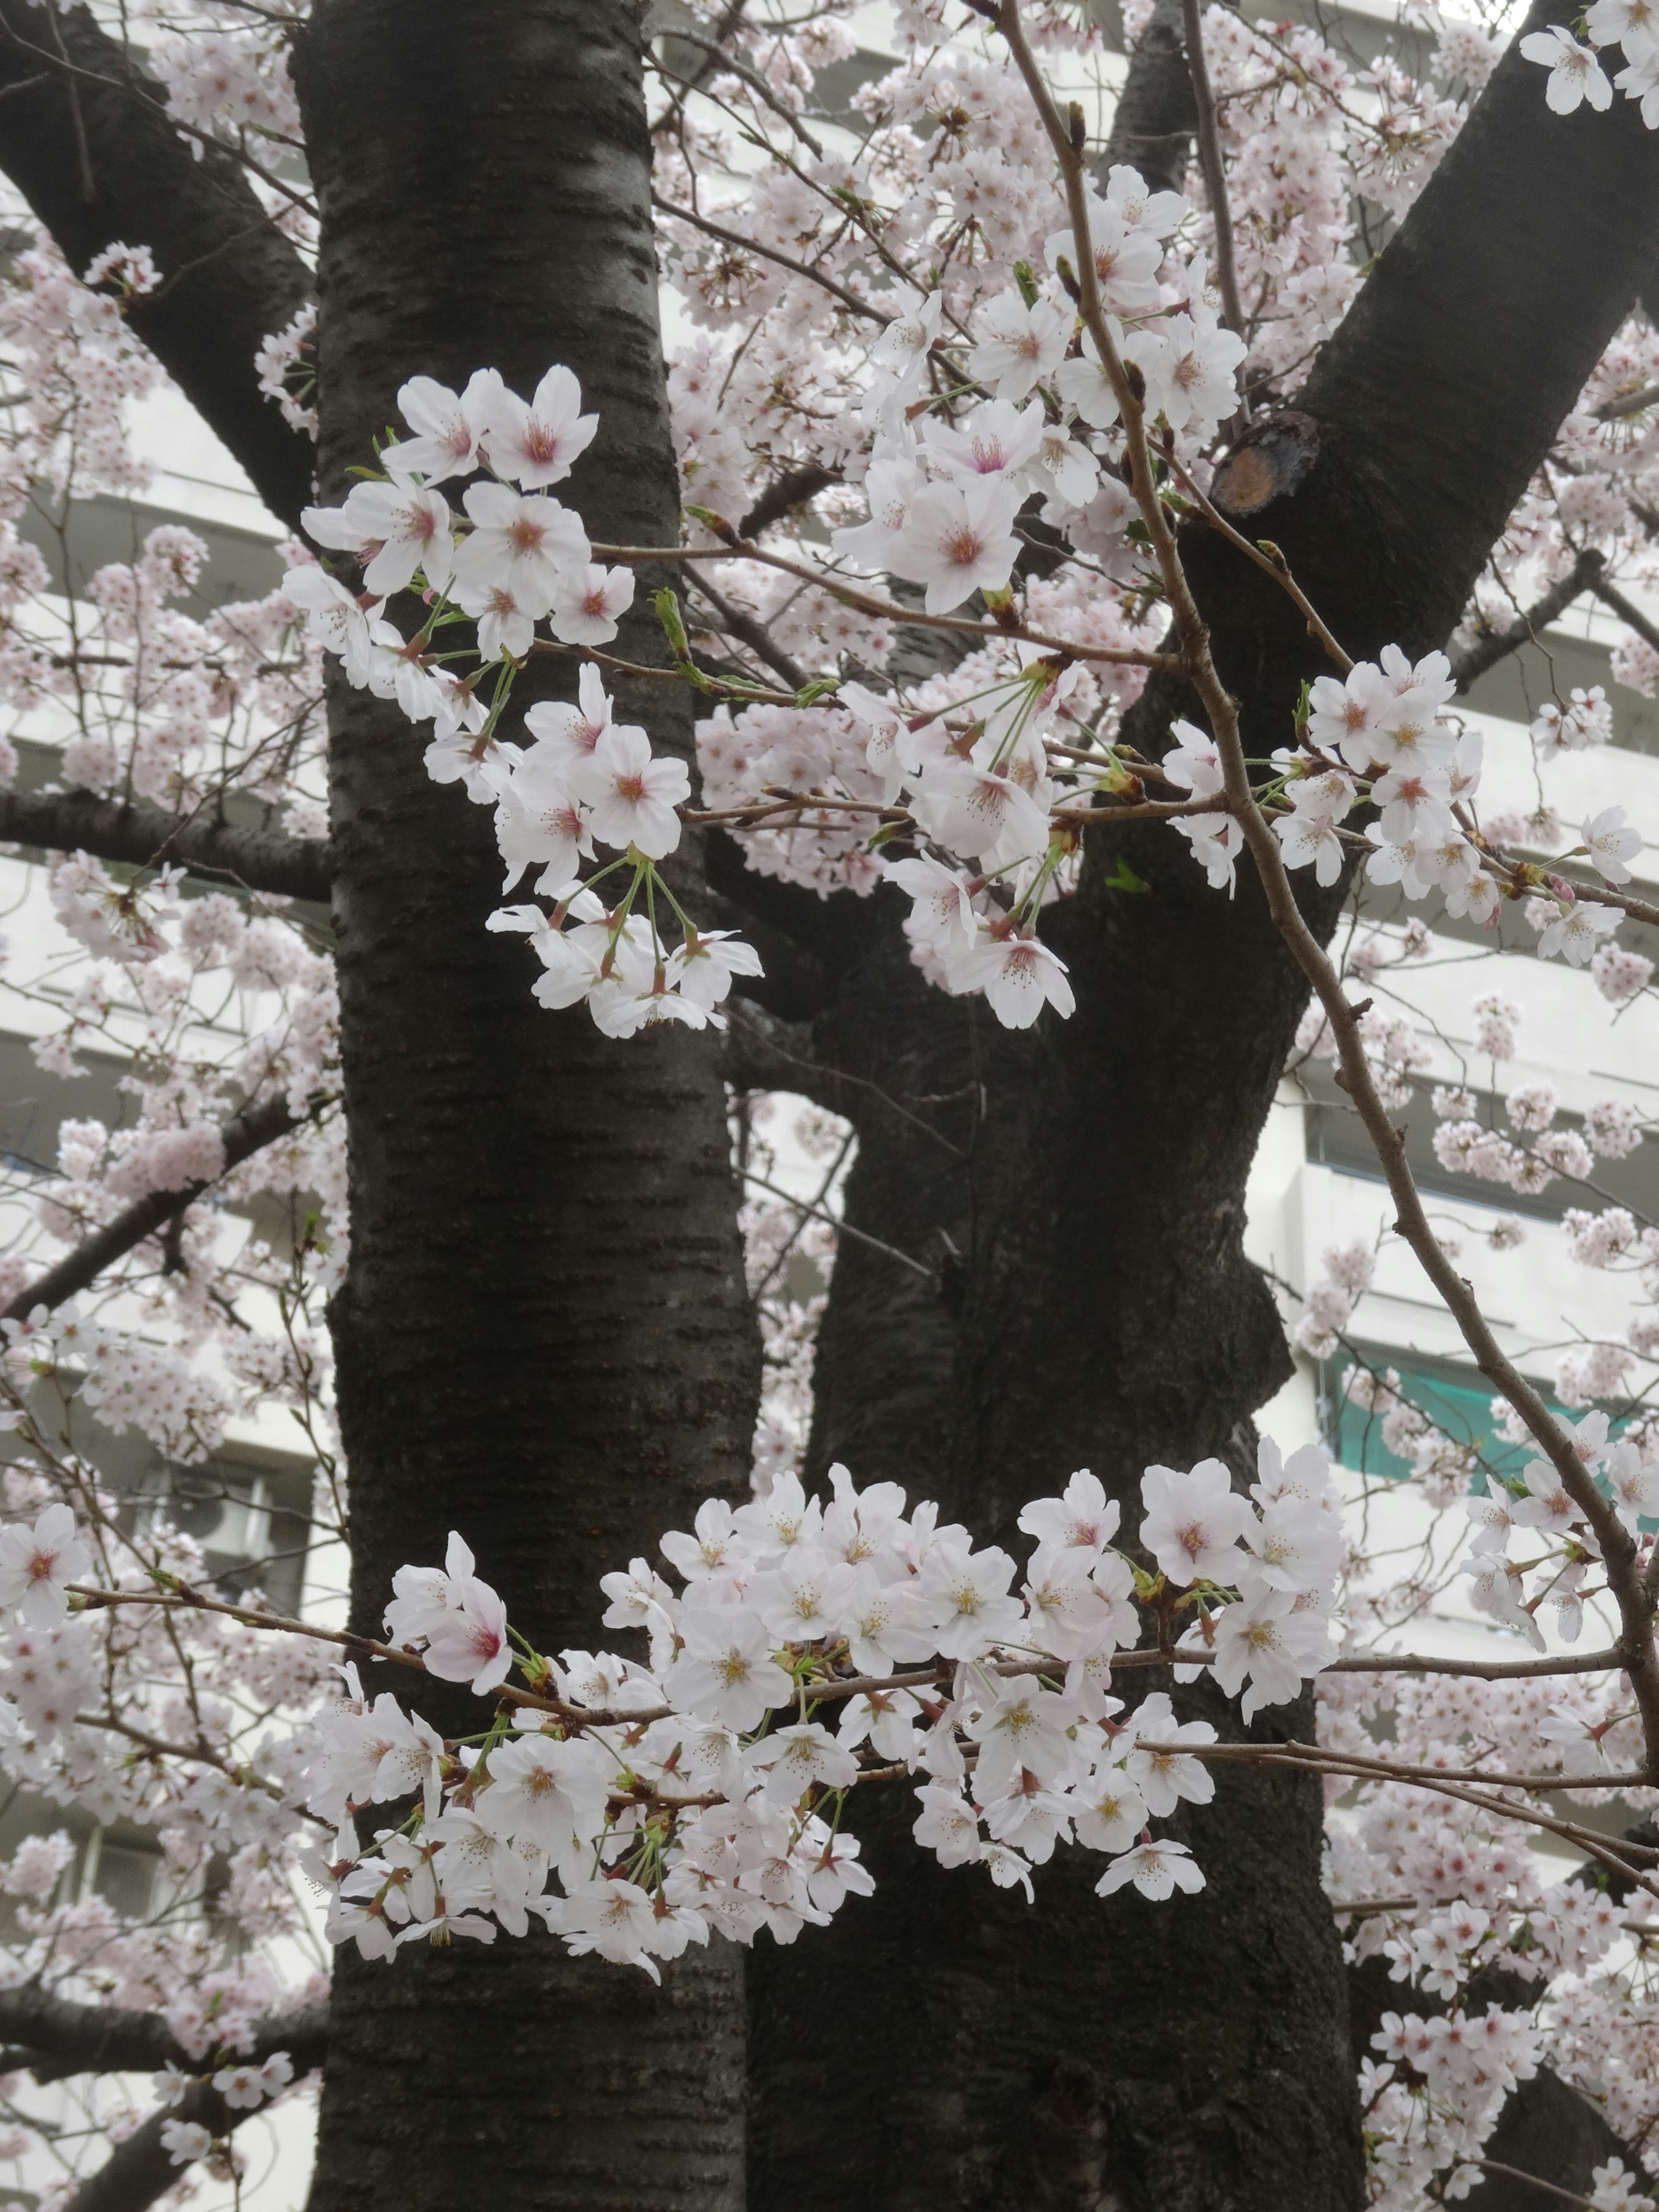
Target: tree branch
column 1633, row 403
column 763, row 1051
column 57, row 2038
column 245, row 1134
column 839, row 291
column 141, row 2168
column 792, row 490
column 749, row 630
column 1215, row 170
column 1612, row 597
column 147, row 836
column 99, row 162
column 1492, row 647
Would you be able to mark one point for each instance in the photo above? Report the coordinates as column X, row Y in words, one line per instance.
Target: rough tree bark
column 1093, row 1305
column 544, row 1340
column 1156, row 114
column 86, row 138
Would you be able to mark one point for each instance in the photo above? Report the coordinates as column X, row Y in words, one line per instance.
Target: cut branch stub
column 1269, row 462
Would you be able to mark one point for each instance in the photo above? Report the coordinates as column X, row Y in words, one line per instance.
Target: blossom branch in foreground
column 674, row 1800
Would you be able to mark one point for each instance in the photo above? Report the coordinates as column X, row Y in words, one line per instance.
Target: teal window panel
column 1458, row 1403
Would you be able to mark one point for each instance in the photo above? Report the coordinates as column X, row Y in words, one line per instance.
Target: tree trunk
column 1093, row 1306
column 544, row 1340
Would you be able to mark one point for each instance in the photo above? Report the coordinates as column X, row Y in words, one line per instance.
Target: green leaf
column 1123, row 878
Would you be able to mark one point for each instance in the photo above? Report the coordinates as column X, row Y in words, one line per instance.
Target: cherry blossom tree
column 963, row 687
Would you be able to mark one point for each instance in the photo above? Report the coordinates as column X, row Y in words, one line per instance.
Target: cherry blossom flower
column 1139, row 205
column 790, row 1760
column 1109, row 1812
column 551, row 1792
column 1575, row 73
column 1348, row 716
column 1611, row 843
column 447, row 428
column 1577, row 931
column 615, row 1918
column 525, row 544
column 38, row 1564
column 997, row 439
column 470, row 1643
column 977, row 810
column 587, row 603
column 1189, row 369
column 890, row 484
column 400, row 525
column 246, row 2086
column 1019, row 975
column 726, row 1671
column 948, row 1827
column 1082, row 1516
column 1127, row 257
column 186, row 2141
column 962, row 1597
column 536, row 819
column 941, row 917
column 1264, row 1647
column 505, row 625
column 1023, row 345
column 1157, row 1869
column 1616, row 2188
column 536, row 445
column 958, row 539
column 1025, row 1730
column 1063, row 465
column 904, row 346
column 333, row 617
column 632, row 794
column 1194, row 1522
column 1308, row 833
column 1086, row 382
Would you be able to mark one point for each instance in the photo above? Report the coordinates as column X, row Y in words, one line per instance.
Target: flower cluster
column 1559, row 1531
column 584, row 776
column 811, row 1647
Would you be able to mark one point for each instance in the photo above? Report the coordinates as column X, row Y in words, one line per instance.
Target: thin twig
column 1493, row 646
column 962, row 625
column 752, row 632
column 767, row 253
column 1636, row 1643
column 1532, row 2180
column 1273, row 563
column 741, row 70
column 1637, row 402
column 1215, row 173
column 843, row 1228
column 1482, row 1670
